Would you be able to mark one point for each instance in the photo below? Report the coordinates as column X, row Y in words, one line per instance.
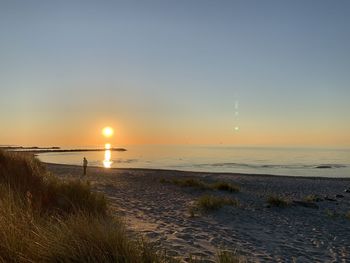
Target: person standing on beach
column 85, row 163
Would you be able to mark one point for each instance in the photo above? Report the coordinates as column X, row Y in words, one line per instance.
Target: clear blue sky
column 172, row 72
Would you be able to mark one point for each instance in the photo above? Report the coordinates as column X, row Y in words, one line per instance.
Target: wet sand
column 160, row 212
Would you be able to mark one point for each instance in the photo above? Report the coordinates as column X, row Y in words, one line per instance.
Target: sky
column 272, row 73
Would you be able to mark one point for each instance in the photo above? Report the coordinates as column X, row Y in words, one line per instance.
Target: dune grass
column 277, row 201
column 222, row 256
column 190, row 182
column 26, row 176
column 230, row 257
column 224, row 186
column 199, row 184
column 209, row 203
column 78, row 237
column 312, row 198
column 86, row 238
column 74, row 195
column 43, row 219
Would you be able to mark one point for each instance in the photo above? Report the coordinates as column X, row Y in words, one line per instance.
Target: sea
column 311, row 162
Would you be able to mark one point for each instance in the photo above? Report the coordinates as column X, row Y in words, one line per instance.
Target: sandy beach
column 255, row 229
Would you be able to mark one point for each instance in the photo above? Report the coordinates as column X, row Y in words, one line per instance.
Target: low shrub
column 211, row 202
column 196, row 183
column 312, row 198
column 190, row 182
column 224, row 186
column 277, row 201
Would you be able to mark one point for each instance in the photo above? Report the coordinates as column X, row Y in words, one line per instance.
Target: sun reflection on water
column 107, row 163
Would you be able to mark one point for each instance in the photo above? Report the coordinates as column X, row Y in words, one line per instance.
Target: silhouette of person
column 85, row 163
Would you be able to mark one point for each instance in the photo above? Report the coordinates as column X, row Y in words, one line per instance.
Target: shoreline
column 206, row 173
column 159, row 211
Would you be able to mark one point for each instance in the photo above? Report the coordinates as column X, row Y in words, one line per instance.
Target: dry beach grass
column 48, row 219
column 47, row 215
column 157, row 204
column 45, row 219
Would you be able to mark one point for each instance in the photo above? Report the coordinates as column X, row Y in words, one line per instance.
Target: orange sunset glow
column 175, row 131
column 107, row 132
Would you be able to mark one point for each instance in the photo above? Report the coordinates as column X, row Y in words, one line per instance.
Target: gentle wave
column 272, row 166
column 119, row 161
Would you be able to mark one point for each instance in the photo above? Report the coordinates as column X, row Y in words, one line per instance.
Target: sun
column 107, row 131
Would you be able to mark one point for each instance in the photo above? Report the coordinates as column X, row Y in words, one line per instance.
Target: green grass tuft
column 190, row 182
column 312, row 198
column 44, row 219
column 74, row 195
column 224, row 186
column 27, row 176
column 196, row 183
column 230, row 257
column 277, row 201
column 211, row 203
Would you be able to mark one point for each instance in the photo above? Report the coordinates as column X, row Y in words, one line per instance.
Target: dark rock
column 347, row 190
column 339, row 196
column 305, row 204
column 324, row 167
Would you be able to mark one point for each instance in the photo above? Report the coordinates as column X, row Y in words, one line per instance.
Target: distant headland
column 55, row 149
